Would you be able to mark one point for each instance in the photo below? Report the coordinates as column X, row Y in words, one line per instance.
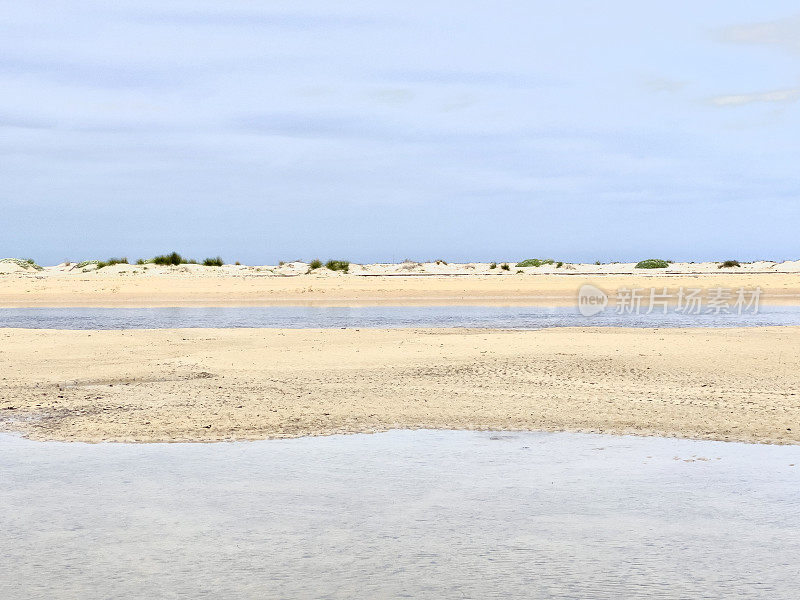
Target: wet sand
column 241, row 384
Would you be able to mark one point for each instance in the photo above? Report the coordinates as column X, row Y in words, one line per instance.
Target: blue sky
column 378, row 131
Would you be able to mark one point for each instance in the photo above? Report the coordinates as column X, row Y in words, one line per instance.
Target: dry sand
column 398, row 284
column 208, row 385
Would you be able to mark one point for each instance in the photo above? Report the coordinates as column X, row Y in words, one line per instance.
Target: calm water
column 415, row 514
column 374, row 316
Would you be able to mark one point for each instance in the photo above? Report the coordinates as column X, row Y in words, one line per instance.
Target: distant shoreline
column 407, row 268
column 404, row 284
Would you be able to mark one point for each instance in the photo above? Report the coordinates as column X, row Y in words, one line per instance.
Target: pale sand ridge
column 417, row 285
column 209, row 385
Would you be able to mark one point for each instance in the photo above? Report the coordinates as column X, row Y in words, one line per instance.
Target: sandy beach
column 242, row 384
column 404, row 284
column 211, row 385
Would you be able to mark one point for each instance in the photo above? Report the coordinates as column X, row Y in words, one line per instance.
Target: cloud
column 216, row 16
column 784, row 33
column 470, row 78
column 372, row 128
column 779, row 96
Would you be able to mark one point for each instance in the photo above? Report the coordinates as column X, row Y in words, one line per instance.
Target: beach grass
column 169, row 259
column 535, row 262
column 729, row 264
column 25, row 263
column 338, row 265
column 652, row 263
column 111, row 261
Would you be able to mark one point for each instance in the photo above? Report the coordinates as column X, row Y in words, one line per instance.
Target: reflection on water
column 514, row 317
column 402, row 514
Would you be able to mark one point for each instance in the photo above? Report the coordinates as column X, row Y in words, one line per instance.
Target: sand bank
column 417, row 285
column 209, row 385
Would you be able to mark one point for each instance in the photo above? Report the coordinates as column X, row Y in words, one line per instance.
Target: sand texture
column 241, row 384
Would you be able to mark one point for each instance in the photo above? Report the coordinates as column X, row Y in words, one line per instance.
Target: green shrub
column 535, row 262
column 169, row 259
column 493, row 265
column 505, row 267
column 111, row 261
column 728, row 264
column 338, row 265
column 315, row 264
column 652, row 263
column 559, row 264
column 213, row 262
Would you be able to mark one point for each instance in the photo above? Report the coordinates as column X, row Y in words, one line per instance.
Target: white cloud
column 740, row 99
column 781, row 32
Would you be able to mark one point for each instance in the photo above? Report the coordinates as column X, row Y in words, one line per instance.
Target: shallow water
column 513, row 317
column 418, row 514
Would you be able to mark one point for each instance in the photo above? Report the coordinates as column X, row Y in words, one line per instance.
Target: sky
column 380, row 131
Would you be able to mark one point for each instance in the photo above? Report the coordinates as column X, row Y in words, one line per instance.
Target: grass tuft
column 169, row 259
column 110, row 261
column 338, row 265
column 315, row 264
column 505, row 267
column 728, row 264
column 213, row 262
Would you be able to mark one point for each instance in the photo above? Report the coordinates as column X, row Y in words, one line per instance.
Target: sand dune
column 395, row 284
